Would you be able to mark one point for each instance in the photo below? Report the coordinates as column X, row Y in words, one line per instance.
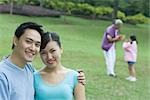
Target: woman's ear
column 61, row 50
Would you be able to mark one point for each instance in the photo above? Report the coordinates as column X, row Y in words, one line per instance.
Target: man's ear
column 15, row 40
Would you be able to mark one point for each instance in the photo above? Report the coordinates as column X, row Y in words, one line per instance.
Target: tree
column 115, row 9
column 11, row 6
column 41, row 3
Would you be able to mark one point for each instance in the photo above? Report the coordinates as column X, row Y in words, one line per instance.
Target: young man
column 108, row 45
column 16, row 71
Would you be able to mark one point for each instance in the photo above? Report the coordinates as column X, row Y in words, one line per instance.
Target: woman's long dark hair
column 49, row 36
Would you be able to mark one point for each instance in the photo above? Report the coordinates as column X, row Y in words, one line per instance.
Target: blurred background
column 81, row 24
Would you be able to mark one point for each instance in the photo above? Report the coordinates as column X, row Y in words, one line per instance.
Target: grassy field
column 81, row 41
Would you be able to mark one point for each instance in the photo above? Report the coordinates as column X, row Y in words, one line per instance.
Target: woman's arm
column 79, row 92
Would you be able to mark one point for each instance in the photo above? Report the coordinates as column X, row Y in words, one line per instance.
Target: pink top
column 130, row 51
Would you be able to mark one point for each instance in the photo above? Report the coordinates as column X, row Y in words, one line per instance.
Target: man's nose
column 33, row 47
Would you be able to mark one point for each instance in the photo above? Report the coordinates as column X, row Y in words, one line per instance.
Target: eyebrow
column 48, row 50
column 32, row 40
column 52, row 49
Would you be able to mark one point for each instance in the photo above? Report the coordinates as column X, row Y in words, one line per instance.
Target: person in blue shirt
column 16, row 71
column 54, row 81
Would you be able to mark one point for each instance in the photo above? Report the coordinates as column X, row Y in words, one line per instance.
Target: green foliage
column 69, row 6
column 103, row 11
column 132, row 7
column 91, row 10
column 121, row 15
column 107, row 10
column 84, row 9
column 138, row 18
column 32, row 2
column 129, row 7
column 57, row 5
column 4, row 1
column 99, row 11
column 60, row 5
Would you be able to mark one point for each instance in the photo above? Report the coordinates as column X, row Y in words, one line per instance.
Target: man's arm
column 81, row 77
column 4, row 92
column 115, row 39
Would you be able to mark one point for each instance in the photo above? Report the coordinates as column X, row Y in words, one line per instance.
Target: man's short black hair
column 27, row 25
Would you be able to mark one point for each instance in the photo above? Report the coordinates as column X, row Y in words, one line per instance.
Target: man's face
column 28, row 45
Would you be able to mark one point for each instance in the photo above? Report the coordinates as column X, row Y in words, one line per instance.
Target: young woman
column 130, row 53
column 54, row 81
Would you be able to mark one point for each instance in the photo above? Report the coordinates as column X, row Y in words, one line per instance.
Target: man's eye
column 28, row 41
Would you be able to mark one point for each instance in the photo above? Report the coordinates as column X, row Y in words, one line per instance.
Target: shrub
column 3, row 2
column 136, row 19
column 61, row 6
column 101, row 11
column 121, row 15
column 83, row 9
column 69, row 6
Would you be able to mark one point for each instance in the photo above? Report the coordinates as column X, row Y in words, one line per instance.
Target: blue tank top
column 62, row 91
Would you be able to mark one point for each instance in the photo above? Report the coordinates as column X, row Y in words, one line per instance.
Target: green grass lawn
column 81, row 41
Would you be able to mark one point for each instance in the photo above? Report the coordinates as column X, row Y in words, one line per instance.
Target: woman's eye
column 38, row 45
column 53, row 50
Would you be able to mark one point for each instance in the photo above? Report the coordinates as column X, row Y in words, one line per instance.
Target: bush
column 66, row 7
column 83, row 9
column 69, row 6
column 107, row 10
column 121, row 15
column 136, row 19
column 3, row 2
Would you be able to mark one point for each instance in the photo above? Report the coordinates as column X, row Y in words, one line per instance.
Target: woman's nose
column 49, row 56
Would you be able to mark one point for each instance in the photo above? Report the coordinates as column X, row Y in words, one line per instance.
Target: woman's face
column 51, row 54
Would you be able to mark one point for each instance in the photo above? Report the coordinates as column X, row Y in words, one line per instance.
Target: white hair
column 118, row 22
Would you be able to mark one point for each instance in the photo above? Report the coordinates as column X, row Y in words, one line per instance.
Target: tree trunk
column 11, row 6
column 41, row 3
column 115, row 9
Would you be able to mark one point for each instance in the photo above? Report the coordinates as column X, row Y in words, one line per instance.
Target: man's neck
column 17, row 61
